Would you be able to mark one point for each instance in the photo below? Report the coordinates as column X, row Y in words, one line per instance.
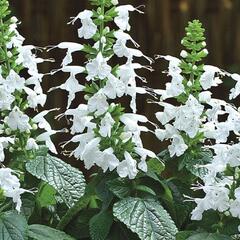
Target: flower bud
column 8, row 131
column 101, row 17
column 9, row 54
column 14, row 20
column 194, row 67
column 34, row 126
column 114, row 2
column 183, row 54
column 11, row 149
column 204, row 44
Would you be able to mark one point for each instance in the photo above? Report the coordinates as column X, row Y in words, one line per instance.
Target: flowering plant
column 200, row 129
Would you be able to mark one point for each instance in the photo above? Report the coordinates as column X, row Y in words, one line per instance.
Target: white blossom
column 88, row 29
column 17, row 120
column 127, row 167
column 98, row 67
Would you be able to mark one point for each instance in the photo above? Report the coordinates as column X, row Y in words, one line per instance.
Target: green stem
column 73, row 211
column 6, row 59
column 101, row 28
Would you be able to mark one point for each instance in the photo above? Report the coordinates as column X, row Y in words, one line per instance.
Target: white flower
column 178, row 146
column 167, row 133
column 2, row 155
column 34, row 98
column 174, row 64
column 205, row 96
column 188, row 117
column 235, row 208
column 31, row 144
column 128, row 167
column 14, row 82
column 108, row 160
column 18, row 120
column 88, row 29
column 72, row 86
column 168, row 114
column 11, row 186
column 208, row 79
column 98, row 103
column 80, row 120
column 27, row 58
column 6, row 99
column 41, row 121
column 131, row 120
column 98, row 67
column 45, row 137
column 236, row 90
column 114, row 87
column 122, row 20
column 83, row 140
column 91, row 153
column 71, row 48
column 144, row 153
column 106, row 125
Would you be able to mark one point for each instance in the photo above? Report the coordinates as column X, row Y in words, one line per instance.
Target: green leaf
column 155, row 165
column 208, row 236
column 147, row 218
column 145, row 189
column 100, row 225
column 183, row 235
column 42, row 232
column 79, row 226
column 28, row 205
column 119, row 187
column 192, row 163
column 13, row 226
column 46, row 195
column 68, row 181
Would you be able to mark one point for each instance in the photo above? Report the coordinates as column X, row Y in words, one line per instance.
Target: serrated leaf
column 68, row 181
column 209, row 236
column 193, row 164
column 13, row 226
column 146, row 217
column 42, row 232
column 100, row 225
column 119, row 187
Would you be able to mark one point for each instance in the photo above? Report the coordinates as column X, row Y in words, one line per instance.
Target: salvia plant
column 203, row 131
column 189, row 191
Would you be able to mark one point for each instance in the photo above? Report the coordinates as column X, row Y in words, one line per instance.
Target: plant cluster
column 189, row 191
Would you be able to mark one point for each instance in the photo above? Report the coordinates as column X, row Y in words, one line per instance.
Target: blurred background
column 159, row 31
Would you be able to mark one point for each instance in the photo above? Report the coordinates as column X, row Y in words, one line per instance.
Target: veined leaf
column 42, row 232
column 146, row 217
column 68, row 181
column 100, row 225
column 13, row 226
column 209, row 236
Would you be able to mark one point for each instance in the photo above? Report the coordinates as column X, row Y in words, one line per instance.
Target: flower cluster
column 199, row 120
column 106, row 135
column 19, row 132
column 189, row 124
column 221, row 183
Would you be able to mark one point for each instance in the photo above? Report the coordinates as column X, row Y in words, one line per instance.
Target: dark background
column 159, row 31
